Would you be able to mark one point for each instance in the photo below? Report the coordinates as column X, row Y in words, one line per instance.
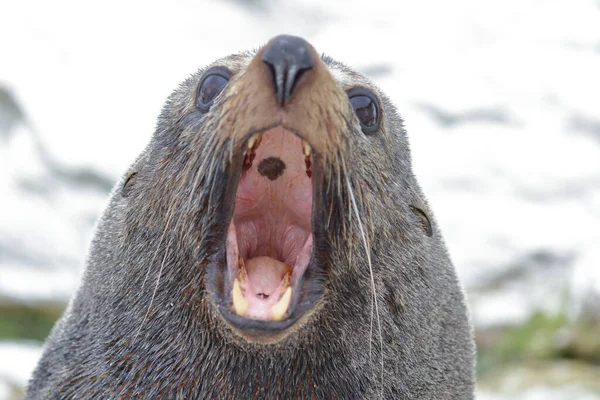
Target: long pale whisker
column 368, row 252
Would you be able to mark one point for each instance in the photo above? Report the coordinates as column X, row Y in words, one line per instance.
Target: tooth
column 306, row 148
column 278, row 309
column 286, row 279
column 240, row 305
column 241, row 269
column 254, row 141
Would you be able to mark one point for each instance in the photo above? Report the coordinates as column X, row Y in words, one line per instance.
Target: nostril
column 279, row 86
column 288, row 58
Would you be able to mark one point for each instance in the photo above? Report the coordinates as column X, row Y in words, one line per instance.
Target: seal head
column 270, row 242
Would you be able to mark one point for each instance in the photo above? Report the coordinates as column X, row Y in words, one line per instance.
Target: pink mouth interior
column 271, row 225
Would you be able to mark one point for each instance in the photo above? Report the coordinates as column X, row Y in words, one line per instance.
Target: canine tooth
column 278, row 309
column 241, row 269
column 306, row 148
column 251, row 141
column 240, row 305
column 286, row 279
column 254, row 141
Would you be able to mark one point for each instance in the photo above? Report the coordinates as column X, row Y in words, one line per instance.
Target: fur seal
column 271, row 241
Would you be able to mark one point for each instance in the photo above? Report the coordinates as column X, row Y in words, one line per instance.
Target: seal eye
column 210, row 86
column 366, row 109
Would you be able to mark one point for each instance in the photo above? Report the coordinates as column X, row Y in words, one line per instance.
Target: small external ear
column 132, row 174
column 129, row 183
column 424, row 219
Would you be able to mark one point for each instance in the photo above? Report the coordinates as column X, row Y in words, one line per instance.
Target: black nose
column 288, row 56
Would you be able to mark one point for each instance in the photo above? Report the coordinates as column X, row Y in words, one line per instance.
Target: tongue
column 265, row 275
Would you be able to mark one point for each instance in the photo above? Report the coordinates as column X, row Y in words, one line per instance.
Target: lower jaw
column 264, row 288
column 268, row 332
column 306, row 302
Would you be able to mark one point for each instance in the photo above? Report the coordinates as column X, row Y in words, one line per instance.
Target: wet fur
column 143, row 326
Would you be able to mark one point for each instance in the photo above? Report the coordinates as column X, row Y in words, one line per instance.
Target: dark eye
column 366, row 109
column 211, row 85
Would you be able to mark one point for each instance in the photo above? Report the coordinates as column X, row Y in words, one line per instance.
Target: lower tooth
column 240, row 304
column 241, row 270
column 286, row 279
column 279, row 309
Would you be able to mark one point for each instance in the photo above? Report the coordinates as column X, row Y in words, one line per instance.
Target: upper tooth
column 240, row 304
column 254, row 140
column 278, row 309
column 306, row 148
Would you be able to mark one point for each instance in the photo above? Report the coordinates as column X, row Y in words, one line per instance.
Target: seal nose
column 288, row 56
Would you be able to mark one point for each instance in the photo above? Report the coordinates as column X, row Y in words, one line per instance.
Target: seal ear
column 423, row 219
column 132, row 174
column 129, row 182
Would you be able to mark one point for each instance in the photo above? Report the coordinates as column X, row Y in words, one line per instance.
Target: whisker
column 171, row 213
column 153, row 293
column 374, row 297
column 162, row 237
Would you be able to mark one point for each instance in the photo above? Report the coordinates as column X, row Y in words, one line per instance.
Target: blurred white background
column 501, row 101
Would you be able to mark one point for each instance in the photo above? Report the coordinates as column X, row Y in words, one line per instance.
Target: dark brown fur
column 143, row 325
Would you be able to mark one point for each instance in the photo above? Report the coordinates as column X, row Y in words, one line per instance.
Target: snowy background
column 501, row 101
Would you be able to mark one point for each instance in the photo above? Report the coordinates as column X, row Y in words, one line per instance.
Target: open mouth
column 267, row 283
